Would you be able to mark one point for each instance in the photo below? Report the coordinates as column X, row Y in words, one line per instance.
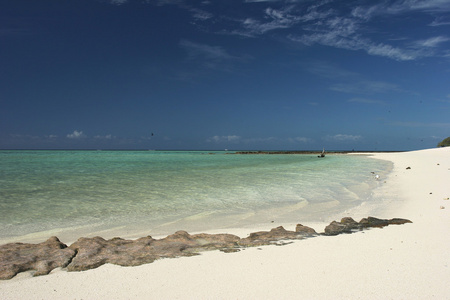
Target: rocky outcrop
column 94, row 252
column 348, row 225
column 89, row 253
column 41, row 258
column 276, row 235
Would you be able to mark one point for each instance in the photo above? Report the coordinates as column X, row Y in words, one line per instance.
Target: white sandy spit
column 410, row 261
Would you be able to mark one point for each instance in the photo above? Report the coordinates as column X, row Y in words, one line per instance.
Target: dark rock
column 270, row 237
column 94, row 252
column 373, row 222
column 305, row 230
column 398, row 221
column 408, row 168
column 347, row 225
column 41, row 258
column 89, row 253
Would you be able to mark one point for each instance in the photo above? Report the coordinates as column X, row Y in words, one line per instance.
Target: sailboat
column 322, row 154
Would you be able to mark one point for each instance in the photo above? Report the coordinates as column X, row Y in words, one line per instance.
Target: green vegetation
column 445, row 142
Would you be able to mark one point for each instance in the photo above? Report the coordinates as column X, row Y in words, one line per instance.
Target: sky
column 224, row 74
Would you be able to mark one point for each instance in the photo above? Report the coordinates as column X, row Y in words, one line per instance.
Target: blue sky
column 235, row 74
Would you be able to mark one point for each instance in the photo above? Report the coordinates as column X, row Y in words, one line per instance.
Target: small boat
column 322, row 154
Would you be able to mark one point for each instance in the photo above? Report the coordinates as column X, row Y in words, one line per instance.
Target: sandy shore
column 410, row 261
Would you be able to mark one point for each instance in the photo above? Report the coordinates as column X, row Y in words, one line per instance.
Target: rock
column 373, row 222
column 307, row 231
column 41, row 258
column 89, row 253
column 408, row 168
column 398, row 221
column 270, row 237
column 94, row 252
column 348, row 225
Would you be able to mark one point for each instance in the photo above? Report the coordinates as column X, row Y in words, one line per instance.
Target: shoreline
column 286, row 206
column 408, row 262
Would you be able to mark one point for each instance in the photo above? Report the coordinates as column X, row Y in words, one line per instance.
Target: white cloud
column 279, row 19
column 300, row 140
column 343, row 137
column 253, row 1
column 440, row 21
column 118, row 2
column 224, row 138
column 201, row 15
column 345, row 39
column 166, row 2
column 431, row 42
column 401, row 7
column 76, row 135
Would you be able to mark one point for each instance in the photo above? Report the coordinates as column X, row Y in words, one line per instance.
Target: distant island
column 305, row 152
column 444, row 142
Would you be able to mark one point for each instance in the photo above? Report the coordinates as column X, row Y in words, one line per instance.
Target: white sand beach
column 410, row 261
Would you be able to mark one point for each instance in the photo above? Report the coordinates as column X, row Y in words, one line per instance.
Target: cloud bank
column 76, row 135
column 327, row 23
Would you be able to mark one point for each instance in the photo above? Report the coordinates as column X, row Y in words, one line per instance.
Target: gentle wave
column 90, row 192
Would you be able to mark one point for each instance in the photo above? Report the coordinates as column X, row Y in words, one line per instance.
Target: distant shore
column 310, row 152
column 410, row 261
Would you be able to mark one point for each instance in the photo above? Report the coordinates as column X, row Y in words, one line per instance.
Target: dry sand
column 410, row 261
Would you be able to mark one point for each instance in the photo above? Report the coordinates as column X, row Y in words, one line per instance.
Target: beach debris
column 442, row 207
column 447, row 198
column 90, row 253
column 408, row 168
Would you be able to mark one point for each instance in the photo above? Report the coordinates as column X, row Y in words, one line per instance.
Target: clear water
column 73, row 193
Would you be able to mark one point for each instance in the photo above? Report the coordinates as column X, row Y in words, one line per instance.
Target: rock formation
column 42, row 258
column 348, row 225
column 89, row 253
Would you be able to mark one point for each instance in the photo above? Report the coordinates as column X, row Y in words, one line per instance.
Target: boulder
column 348, row 225
column 89, row 253
column 305, row 230
column 336, row 228
column 40, row 258
column 94, row 252
column 270, row 237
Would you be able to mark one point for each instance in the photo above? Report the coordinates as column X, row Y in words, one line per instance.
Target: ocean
column 136, row 193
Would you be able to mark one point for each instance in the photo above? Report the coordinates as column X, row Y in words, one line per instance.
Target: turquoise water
column 72, row 193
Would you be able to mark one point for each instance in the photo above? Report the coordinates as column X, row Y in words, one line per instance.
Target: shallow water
column 73, row 193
